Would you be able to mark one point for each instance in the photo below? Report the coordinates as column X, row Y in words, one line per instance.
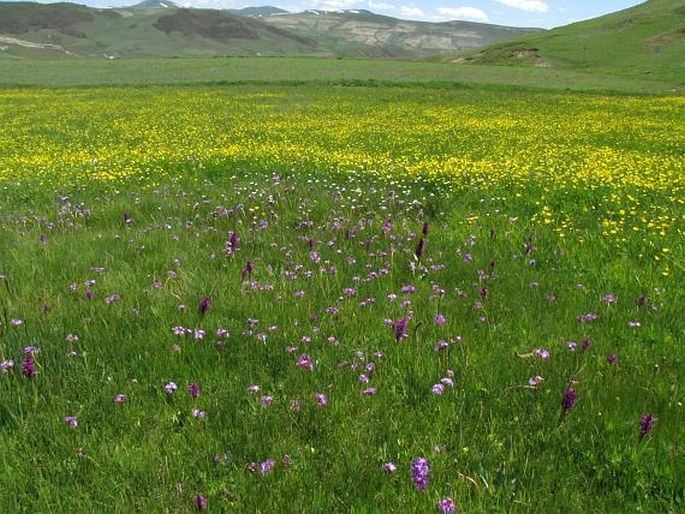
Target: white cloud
column 526, row 5
column 411, row 12
column 462, row 13
column 381, row 6
column 327, row 5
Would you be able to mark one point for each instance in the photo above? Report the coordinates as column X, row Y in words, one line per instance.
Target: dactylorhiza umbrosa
column 647, row 422
column 420, row 471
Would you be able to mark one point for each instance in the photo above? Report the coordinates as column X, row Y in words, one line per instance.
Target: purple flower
column 647, row 422
column 420, row 471
column 197, row 413
column 120, row 398
column 446, row 505
column 31, row 350
column 400, row 328
column 585, row 318
column 370, row 391
column 408, row 289
column 266, row 400
column 535, row 381
column 306, row 362
column 113, row 298
column 254, row 389
column 612, row 359
column 247, row 269
column 16, row 322
column 447, row 382
column 170, row 388
column 232, row 244
column 321, row 399
column 28, row 367
column 389, row 467
column 424, row 229
column 200, row 502
column 204, row 305
column 608, row 299
column 266, row 466
column 570, row 399
column 438, row 389
column 194, row 390
column 543, row 353
column 72, row 421
column 440, row 319
column 6, row 366
column 441, row 345
column 180, row 331
column 420, row 247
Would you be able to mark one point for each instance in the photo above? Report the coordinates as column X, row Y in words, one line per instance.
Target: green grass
column 510, row 260
column 644, row 41
column 41, row 73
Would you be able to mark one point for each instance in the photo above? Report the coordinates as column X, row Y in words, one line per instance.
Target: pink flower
column 306, row 362
column 389, row 467
column 321, row 399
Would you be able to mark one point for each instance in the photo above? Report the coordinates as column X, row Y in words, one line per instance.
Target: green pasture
column 298, row 70
column 284, row 241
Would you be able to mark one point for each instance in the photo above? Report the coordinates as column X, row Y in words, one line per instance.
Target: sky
column 517, row 13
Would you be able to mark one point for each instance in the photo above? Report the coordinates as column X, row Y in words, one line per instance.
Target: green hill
column 648, row 39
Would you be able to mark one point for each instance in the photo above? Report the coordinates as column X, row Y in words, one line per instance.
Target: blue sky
column 519, row 13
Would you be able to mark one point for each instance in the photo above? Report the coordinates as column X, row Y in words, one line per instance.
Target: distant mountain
column 646, row 39
column 154, row 4
column 258, row 12
column 361, row 32
column 161, row 28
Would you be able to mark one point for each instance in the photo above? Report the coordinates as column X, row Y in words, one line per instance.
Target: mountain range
column 162, row 29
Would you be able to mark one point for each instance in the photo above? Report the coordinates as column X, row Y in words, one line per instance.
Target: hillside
column 148, row 29
column 158, row 28
column 360, row 32
column 648, row 39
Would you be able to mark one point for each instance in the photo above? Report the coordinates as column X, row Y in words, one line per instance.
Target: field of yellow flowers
column 625, row 147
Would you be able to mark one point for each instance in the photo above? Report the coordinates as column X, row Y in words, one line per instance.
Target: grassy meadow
column 311, row 296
